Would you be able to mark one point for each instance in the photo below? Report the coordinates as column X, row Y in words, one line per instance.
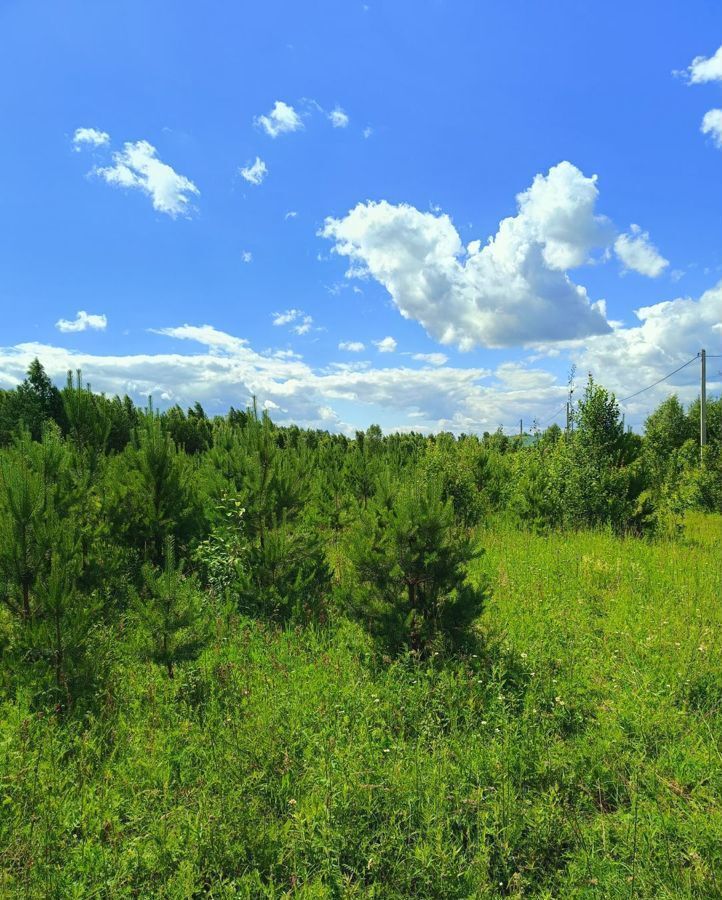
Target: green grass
column 577, row 754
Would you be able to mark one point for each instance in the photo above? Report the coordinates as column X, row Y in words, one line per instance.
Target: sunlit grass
column 576, row 754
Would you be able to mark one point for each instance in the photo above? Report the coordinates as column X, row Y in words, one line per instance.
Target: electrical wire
column 552, row 417
column 659, row 381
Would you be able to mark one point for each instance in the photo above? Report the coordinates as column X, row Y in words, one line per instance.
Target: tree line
column 162, row 527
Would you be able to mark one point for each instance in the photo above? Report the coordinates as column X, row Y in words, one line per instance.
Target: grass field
column 576, row 754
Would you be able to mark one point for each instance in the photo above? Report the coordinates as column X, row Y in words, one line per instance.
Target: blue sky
column 383, row 145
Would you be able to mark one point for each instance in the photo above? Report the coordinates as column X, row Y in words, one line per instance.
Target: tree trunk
column 26, row 600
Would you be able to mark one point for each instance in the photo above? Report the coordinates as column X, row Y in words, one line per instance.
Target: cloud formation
column 433, row 359
column 712, row 125
column 352, row 346
column 82, row 322
column 137, row 166
column 90, row 137
column 514, row 290
column 703, row 69
column 338, row 118
column 639, row 254
column 386, row 345
column 256, row 172
column 282, row 119
column 300, row 322
column 227, row 370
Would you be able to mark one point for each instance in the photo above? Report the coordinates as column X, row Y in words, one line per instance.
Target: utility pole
column 568, row 418
column 521, row 428
column 703, row 404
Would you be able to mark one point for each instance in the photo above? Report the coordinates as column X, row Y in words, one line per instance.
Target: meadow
column 576, row 754
column 246, row 660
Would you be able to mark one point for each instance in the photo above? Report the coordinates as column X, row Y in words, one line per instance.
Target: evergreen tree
column 170, row 613
column 32, row 477
column 411, row 562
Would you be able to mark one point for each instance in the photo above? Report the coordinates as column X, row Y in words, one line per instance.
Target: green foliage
column 411, row 562
column 169, row 609
column 551, row 731
column 593, row 477
column 148, row 493
column 577, row 752
column 32, row 404
column 285, row 577
column 33, row 494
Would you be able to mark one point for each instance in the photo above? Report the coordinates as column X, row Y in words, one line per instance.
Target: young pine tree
column 170, row 613
column 32, row 478
column 63, row 616
column 411, row 563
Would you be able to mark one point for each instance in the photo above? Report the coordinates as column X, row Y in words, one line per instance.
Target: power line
column 547, row 421
column 635, row 394
column 659, row 381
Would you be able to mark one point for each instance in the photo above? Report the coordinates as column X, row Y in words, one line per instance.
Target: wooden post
column 703, row 404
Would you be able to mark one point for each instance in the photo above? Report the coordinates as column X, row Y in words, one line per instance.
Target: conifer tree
column 32, row 476
column 411, row 563
column 170, row 613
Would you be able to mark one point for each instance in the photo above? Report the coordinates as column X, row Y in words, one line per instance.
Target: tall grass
column 576, row 754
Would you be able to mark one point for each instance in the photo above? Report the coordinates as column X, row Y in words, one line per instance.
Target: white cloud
column 352, row 346
column 668, row 334
column 638, row 253
column 304, row 326
column 291, row 214
column 712, row 125
column 282, row 119
column 247, row 256
column 227, row 370
column 368, row 131
column 338, row 118
column 513, row 290
column 300, row 322
column 137, row 166
column 90, row 137
column 82, row 322
column 386, row 345
column 704, row 69
column 256, row 172
column 285, row 318
column 434, row 359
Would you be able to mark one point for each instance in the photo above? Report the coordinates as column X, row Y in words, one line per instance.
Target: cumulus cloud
column 282, row 119
column 247, row 256
column 668, row 334
column 712, row 125
column 286, row 317
column 639, row 254
column 304, row 326
column 513, row 290
column 299, row 321
column 291, row 214
column 352, row 346
column 704, row 69
column 385, row 345
column 433, row 359
column 137, row 166
column 338, row 118
column 90, row 137
column 82, row 322
column 256, row 172
column 227, row 370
